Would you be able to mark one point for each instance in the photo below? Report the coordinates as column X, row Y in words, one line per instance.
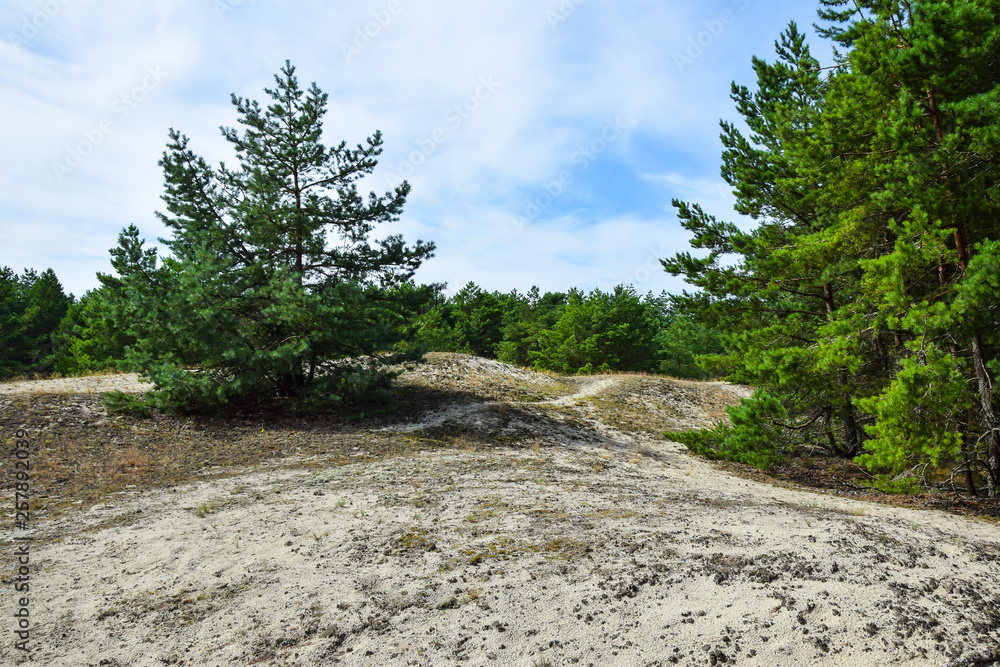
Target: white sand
column 605, row 550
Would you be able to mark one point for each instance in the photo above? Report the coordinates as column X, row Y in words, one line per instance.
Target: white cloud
column 556, row 85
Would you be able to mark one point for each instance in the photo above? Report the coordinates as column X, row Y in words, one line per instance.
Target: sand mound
column 572, row 540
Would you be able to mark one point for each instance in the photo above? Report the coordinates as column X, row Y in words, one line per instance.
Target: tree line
column 565, row 332
column 569, row 332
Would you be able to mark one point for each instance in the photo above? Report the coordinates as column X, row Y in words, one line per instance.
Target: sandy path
column 616, row 550
column 128, row 382
column 586, row 387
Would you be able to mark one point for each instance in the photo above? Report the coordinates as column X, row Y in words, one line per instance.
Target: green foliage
column 525, row 322
column 87, row 340
column 603, row 331
column 434, row 331
column 754, row 434
column 12, row 325
column 918, row 415
column 863, row 297
column 272, row 289
column 478, row 318
column 122, row 403
column 778, row 301
column 908, row 484
column 688, row 349
column 31, row 307
column 569, row 332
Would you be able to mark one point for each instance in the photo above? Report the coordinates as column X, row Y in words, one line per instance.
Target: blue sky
column 543, row 140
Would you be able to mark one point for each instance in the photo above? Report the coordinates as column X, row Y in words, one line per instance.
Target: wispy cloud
column 482, row 106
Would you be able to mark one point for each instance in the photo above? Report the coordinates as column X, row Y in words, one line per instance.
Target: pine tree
column 525, row 323
column 272, row 287
column 795, row 270
column 933, row 144
column 599, row 332
column 87, row 339
column 12, row 325
column 866, row 287
column 31, row 307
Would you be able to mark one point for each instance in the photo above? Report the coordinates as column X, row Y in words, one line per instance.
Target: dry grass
column 80, row 455
column 58, row 376
column 653, row 404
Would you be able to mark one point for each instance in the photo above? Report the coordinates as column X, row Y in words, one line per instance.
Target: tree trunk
column 851, row 446
column 970, row 484
column 985, row 386
column 828, row 428
column 983, row 382
column 883, row 356
column 989, row 417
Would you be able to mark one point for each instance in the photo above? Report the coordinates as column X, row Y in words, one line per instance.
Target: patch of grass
column 83, row 454
column 122, row 403
column 561, row 547
column 503, row 548
column 131, row 458
column 470, row 595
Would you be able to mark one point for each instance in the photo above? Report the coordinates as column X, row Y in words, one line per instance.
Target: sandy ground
column 127, row 382
column 579, row 544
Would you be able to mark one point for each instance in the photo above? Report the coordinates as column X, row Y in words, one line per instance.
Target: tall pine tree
column 864, row 290
column 272, row 287
column 934, row 68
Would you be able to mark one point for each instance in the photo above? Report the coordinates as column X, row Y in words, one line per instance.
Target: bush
column 754, row 434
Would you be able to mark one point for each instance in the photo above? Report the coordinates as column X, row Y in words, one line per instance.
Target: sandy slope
column 577, row 544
